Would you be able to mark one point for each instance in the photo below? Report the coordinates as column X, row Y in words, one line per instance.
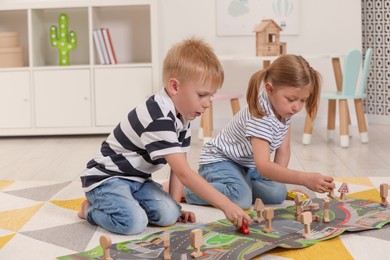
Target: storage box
column 11, row 57
column 9, row 39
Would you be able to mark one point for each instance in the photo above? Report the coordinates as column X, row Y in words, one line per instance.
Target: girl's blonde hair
column 193, row 59
column 286, row 70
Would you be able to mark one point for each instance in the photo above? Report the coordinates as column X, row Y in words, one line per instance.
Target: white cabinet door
column 62, row 98
column 118, row 90
column 15, row 105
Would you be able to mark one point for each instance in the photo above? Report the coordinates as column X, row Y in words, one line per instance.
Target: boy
column 121, row 196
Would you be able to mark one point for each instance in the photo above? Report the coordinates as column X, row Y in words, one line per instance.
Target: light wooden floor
column 63, row 158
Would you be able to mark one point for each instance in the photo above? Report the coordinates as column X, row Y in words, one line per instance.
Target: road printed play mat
column 38, row 220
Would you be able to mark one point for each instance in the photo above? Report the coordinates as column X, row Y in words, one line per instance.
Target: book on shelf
column 109, row 45
column 98, row 47
column 103, row 46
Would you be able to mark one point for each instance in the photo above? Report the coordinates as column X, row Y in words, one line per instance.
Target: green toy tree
column 64, row 41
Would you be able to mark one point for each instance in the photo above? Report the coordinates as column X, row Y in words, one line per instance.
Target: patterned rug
column 38, row 220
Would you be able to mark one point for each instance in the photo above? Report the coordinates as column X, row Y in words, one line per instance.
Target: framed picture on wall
column 239, row 17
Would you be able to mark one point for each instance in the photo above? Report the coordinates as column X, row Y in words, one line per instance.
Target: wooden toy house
column 268, row 39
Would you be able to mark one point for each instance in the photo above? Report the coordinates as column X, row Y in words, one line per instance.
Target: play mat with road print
column 222, row 241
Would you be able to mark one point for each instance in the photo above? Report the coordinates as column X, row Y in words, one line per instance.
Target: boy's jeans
column 126, row 207
column 240, row 184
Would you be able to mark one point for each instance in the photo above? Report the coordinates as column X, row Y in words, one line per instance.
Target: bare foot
column 83, row 207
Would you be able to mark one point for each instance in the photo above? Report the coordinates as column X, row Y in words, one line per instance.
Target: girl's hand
column 187, row 216
column 319, row 183
column 235, row 214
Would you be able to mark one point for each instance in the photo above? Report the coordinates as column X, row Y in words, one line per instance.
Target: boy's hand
column 236, row 215
column 187, row 216
column 319, row 183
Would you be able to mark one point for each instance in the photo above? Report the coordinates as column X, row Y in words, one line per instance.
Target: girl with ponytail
column 238, row 161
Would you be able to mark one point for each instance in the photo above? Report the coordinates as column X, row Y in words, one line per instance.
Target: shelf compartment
column 62, row 98
column 46, row 55
column 130, row 30
column 15, row 105
column 17, row 21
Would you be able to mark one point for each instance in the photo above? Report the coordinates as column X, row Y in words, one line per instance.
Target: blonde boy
column 121, row 196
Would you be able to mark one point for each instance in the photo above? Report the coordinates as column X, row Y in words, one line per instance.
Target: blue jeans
column 127, row 207
column 240, row 184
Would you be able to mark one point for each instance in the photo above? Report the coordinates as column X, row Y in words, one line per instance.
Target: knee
column 167, row 219
column 243, row 203
column 276, row 195
column 129, row 224
column 133, row 228
column 165, row 214
column 243, row 198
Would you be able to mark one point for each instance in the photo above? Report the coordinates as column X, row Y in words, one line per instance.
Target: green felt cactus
column 64, row 41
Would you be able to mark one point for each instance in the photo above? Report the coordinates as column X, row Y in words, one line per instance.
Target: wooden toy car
column 292, row 193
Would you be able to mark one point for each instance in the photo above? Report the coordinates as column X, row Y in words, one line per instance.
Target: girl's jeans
column 240, row 184
column 126, row 207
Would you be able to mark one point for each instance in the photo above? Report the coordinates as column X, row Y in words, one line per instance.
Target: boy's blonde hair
column 287, row 70
column 193, row 59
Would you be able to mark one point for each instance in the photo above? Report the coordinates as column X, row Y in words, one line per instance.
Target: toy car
column 292, row 193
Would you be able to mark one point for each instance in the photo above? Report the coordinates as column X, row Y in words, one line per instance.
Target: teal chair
column 350, row 90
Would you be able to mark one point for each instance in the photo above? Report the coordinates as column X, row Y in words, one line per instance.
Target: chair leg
column 308, row 130
column 361, row 120
column 339, row 80
column 349, row 121
column 200, row 132
column 235, row 104
column 337, row 73
column 207, row 123
column 266, row 64
column 344, row 137
column 331, row 118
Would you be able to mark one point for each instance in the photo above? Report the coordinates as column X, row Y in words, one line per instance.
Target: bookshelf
column 86, row 97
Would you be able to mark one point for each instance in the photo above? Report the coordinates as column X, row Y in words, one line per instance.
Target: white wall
column 324, row 28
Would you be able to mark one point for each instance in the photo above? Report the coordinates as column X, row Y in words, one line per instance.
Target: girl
column 237, row 161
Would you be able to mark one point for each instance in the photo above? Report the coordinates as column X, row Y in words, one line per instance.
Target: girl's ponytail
column 252, row 95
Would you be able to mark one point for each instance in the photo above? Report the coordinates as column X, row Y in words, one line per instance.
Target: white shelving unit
column 43, row 98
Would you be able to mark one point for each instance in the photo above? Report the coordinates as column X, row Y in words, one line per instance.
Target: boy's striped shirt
column 137, row 146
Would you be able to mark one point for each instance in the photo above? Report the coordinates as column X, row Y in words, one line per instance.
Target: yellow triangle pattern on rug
column 74, row 204
column 8, row 221
column 371, row 195
column 321, row 251
column 5, row 184
column 355, row 180
column 4, row 239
